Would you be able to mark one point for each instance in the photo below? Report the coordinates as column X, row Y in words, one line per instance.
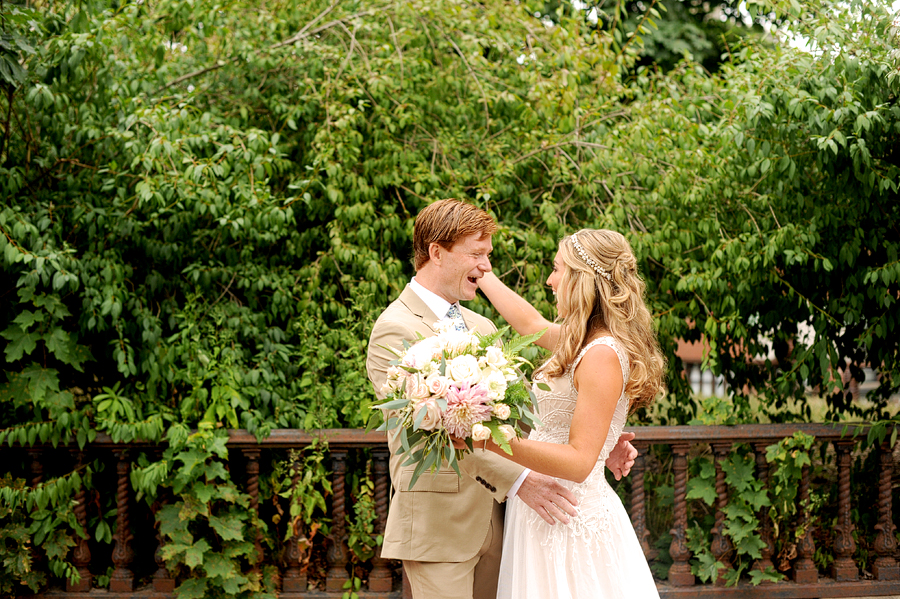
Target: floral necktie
column 456, row 316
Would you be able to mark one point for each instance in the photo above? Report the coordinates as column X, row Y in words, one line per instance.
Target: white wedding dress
column 597, row 555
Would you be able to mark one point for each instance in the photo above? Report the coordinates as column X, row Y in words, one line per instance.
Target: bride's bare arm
column 599, row 382
column 521, row 315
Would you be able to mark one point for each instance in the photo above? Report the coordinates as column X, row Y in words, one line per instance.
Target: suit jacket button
column 493, row 489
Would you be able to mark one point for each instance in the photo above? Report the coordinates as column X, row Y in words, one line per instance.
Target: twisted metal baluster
column 252, row 456
column 638, row 499
column 765, row 523
column 380, row 579
column 122, row 579
column 680, row 571
column 885, row 566
column 805, row 571
column 294, row 580
column 721, row 545
column 337, row 551
column 81, row 555
column 844, row 568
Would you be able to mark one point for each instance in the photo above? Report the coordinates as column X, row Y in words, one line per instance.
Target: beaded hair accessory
column 579, row 249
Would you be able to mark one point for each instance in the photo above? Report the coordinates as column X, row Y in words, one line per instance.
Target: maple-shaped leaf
column 229, row 527
column 203, row 492
column 190, row 458
column 169, row 521
column 192, row 588
column 739, row 471
column 170, row 550
column 217, row 564
column 214, row 470
column 736, row 511
column 15, row 391
column 191, row 508
column 193, row 555
column 20, row 342
column 750, row 545
column 707, row 469
column 233, row 584
column 41, row 381
column 60, row 344
column 756, row 496
column 706, row 566
column 57, row 544
column 52, row 304
column 26, row 318
column 739, row 530
column 701, row 488
column 238, row 549
column 231, row 495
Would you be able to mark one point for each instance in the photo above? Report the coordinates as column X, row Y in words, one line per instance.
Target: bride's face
column 555, row 279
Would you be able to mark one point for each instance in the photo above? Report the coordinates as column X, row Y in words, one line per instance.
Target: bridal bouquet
column 458, row 383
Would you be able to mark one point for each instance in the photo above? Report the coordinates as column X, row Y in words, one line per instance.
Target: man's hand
column 548, row 498
column 621, row 458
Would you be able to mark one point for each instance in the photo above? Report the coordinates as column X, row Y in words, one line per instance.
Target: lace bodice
column 556, row 407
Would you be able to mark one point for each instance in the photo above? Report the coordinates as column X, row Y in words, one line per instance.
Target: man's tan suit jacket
column 444, row 518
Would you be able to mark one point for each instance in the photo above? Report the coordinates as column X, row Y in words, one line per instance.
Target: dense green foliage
column 672, row 30
column 206, row 205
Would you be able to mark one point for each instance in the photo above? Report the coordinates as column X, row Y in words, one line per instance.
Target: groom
column 447, row 529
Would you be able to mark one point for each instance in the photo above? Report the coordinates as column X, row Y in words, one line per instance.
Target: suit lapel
column 414, row 304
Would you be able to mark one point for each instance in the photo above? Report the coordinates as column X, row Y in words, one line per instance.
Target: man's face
column 462, row 266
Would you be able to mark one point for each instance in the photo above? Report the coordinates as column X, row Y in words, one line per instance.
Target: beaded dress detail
column 597, row 555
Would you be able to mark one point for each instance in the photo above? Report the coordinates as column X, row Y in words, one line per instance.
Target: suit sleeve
column 385, row 334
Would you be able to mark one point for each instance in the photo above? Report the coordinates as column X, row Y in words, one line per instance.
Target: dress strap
column 610, row 342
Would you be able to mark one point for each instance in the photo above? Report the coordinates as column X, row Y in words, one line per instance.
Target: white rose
column 416, row 388
column 437, row 384
column 480, row 432
column 494, row 357
column 508, row 431
column 501, row 411
column 432, row 417
column 464, row 368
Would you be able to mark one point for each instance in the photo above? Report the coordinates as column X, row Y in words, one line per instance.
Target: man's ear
column 435, row 253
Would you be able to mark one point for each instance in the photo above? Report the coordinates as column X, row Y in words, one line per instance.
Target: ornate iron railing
column 384, row 581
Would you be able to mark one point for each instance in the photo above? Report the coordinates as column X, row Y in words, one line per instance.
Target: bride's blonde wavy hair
column 592, row 302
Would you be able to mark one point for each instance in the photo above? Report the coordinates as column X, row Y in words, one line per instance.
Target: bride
column 605, row 362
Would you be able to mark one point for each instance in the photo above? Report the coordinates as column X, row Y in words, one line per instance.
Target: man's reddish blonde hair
column 445, row 222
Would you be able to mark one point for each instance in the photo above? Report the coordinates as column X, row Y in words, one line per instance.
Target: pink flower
column 431, row 419
column 438, row 385
column 416, row 388
column 466, row 406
